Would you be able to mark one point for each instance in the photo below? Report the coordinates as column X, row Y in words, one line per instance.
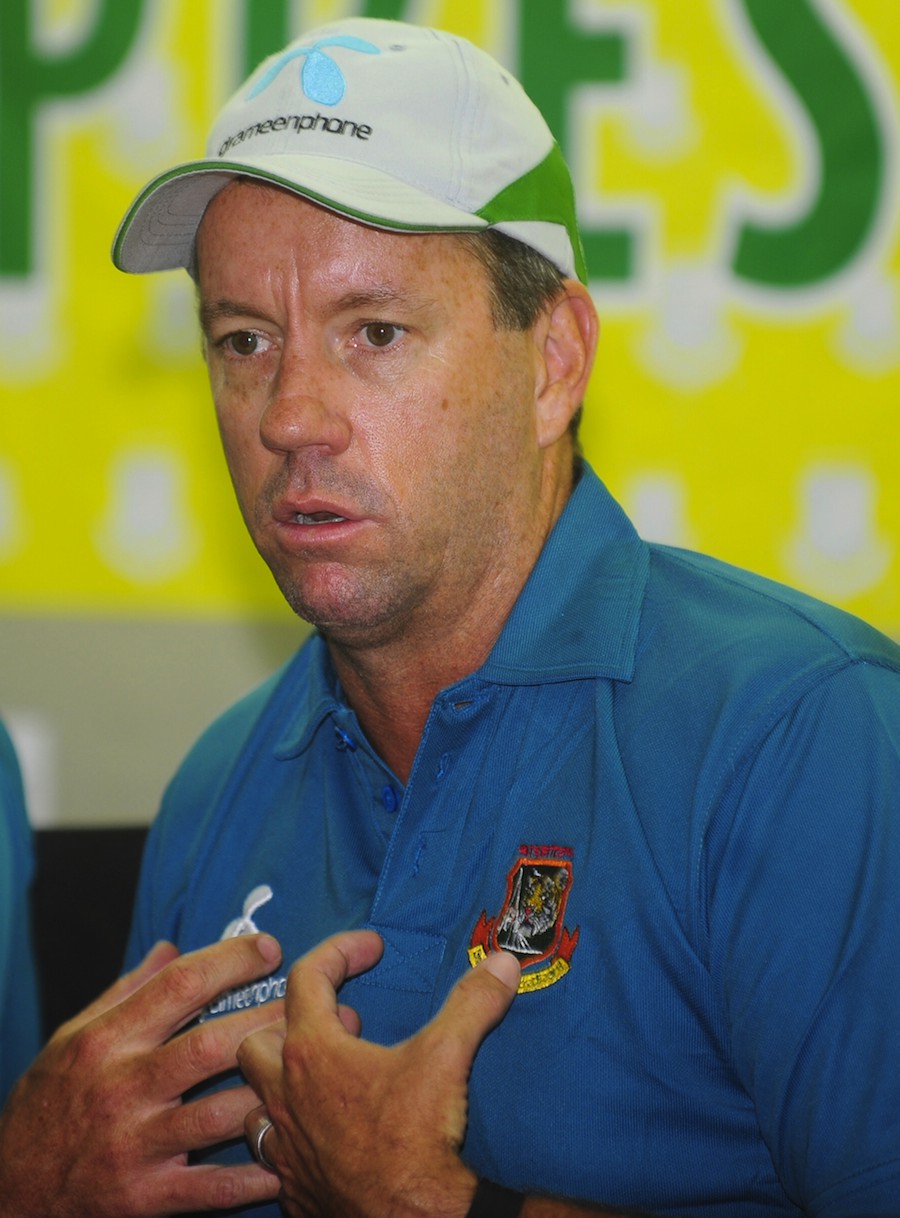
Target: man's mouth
column 318, row 518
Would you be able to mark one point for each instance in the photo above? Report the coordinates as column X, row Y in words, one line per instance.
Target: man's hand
column 97, row 1125
column 360, row 1130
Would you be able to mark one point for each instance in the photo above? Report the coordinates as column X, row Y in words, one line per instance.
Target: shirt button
column 389, row 798
column 343, row 741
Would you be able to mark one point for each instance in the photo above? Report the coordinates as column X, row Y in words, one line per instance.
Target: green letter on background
column 28, row 78
column 554, row 59
column 822, row 242
column 266, row 30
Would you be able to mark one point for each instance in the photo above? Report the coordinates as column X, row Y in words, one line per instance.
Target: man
column 663, row 789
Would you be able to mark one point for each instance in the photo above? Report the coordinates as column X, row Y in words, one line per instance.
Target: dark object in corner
column 82, row 896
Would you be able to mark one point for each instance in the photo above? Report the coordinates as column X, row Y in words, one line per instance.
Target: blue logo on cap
column 321, row 79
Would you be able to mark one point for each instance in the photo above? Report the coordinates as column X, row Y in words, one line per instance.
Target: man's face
column 380, row 432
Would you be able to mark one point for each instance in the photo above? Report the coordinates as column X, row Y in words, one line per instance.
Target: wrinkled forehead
column 248, row 221
column 261, row 251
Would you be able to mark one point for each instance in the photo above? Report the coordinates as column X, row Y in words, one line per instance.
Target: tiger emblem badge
column 530, row 923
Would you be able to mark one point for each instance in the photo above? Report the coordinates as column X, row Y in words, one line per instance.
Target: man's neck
column 391, row 688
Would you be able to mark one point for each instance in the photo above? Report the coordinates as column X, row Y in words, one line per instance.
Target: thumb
column 505, row 967
column 478, row 1002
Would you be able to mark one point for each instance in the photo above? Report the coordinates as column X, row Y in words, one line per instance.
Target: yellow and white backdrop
column 736, row 163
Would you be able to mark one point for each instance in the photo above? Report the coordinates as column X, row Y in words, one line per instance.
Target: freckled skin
column 361, row 369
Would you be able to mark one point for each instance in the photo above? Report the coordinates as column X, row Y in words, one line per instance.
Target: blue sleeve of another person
column 20, row 1030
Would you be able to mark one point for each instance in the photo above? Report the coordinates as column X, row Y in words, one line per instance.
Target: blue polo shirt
column 673, row 789
column 20, row 1025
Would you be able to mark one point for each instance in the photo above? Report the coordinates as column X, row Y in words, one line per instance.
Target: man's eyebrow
column 379, row 297
column 217, row 310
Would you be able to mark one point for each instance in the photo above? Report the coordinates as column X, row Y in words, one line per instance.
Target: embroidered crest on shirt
column 530, row 923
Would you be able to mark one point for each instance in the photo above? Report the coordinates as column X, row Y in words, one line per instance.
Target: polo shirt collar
column 307, row 691
column 579, row 612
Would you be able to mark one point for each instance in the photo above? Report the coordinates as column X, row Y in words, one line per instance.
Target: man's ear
column 565, row 343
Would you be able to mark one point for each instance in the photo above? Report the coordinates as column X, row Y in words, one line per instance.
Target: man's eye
column 381, row 333
column 244, row 342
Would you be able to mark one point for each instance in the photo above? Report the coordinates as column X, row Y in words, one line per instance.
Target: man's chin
column 342, row 616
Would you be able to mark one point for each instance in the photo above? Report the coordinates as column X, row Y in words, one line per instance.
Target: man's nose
column 305, row 410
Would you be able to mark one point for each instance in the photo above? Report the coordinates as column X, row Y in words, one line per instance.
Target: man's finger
column 208, row 1188
column 180, row 991
column 476, row 1004
column 505, row 967
column 207, row 1121
column 316, row 977
column 259, row 1057
column 206, row 1050
column 350, row 1019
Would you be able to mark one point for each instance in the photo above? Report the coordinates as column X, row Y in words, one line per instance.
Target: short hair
column 521, row 282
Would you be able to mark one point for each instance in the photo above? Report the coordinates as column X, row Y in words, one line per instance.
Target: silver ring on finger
column 259, row 1127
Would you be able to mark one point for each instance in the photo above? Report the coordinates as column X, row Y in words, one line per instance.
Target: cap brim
column 159, row 229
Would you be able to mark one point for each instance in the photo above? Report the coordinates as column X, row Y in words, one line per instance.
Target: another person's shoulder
column 9, row 766
column 15, row 827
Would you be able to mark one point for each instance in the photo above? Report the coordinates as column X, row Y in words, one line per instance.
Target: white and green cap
column 398, row 126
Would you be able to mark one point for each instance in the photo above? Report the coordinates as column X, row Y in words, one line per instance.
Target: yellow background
column 109, row 374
